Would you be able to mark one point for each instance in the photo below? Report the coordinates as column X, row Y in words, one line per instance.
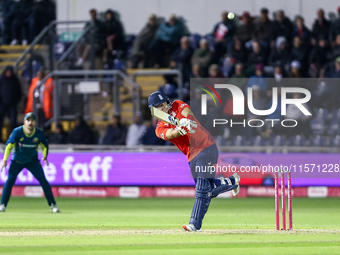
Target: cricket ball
column 231, row 15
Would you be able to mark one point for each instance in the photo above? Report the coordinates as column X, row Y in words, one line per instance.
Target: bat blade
column 158, row 114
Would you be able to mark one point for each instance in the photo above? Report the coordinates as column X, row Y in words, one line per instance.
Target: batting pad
column 202, row 201
column 221, row 189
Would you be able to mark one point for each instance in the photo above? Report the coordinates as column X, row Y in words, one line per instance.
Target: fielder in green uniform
column 25, row 141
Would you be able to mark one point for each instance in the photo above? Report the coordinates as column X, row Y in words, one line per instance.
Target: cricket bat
column 158, row 114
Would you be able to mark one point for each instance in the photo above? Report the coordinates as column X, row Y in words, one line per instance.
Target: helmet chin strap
column 169, row 104
column 167, row 107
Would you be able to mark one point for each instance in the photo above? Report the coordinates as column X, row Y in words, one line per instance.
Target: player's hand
column 191, row 125
column 3, row 165
column 46, row 162
column 182, row 130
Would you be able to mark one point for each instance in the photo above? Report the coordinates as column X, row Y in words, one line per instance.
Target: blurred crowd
column 116, row 133
column 244, row 40
column 251, row 51
column 23, row 20
column 236, row 47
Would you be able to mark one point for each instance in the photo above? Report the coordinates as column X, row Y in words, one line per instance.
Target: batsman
column 199, row 146
column 25, row 141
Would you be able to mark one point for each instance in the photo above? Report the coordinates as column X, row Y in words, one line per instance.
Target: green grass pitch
column 153, row 226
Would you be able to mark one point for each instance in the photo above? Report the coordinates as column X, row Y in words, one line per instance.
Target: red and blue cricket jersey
column 190, row 144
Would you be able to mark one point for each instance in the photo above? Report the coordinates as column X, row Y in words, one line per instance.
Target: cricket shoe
column 237, row 181
column 2, row 208
column 190, row 228
column 54, row 208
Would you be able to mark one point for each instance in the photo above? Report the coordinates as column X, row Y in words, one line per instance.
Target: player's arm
column 172, row 133
column 166, row 133
column 44, row 147
column 189, row 121
column 9, row 145
column 186, row 112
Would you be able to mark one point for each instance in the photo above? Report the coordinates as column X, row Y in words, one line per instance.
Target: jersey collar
column 27, row 135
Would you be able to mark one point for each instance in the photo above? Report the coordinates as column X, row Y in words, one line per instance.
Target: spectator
column 59, row 136
column 334, row 72
column 239, row 71
column 20, row 11
column 167, row 39
column 295, row 69
column 318, row 57
column 257, row 79
column 6, row 20
column 81, row 134
column 46, row 95
column 181, row 58
column 257, row 56
column 280, row 53
column 196, row 71
column 43, row 12
column 239, row 53
column 215, row 71
column 202, row 56
column 144, row 38
column 259, row 103
column 335, row 28
column 335, row 51
column 149, row 137
column 293, row 112
column 279, row 72
column 99, row 39
column 245, row 31
column 169, row 88
column 300, row 53
column 223, row 33
column 276, row 82
column 228, row 112
column 114, row 35
column 115, row 133
column 262, row 28
column 135, row 131
column 301, row 31
column 238, row 78
column 274, row 127
column 10, row 95
column 281, row 27
column 321, row 27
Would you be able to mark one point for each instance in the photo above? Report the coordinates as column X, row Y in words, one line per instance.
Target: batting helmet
column 157, row 98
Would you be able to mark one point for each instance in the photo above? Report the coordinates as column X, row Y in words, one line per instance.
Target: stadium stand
column 236, row 48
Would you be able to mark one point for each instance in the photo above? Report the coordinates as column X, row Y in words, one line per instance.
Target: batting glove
column 182, row 130
column 189, row 124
